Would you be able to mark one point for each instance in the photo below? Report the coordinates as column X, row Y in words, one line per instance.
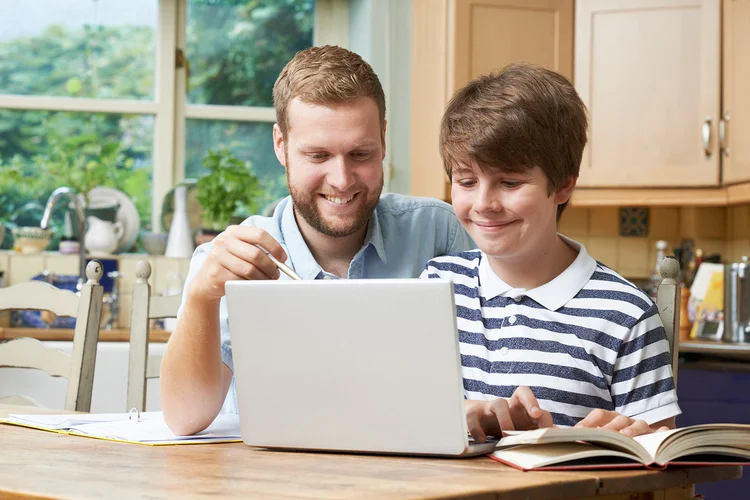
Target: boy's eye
column 510, row 184
column 466, row 183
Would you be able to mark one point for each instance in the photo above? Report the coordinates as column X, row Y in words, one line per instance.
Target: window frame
column 169, row 107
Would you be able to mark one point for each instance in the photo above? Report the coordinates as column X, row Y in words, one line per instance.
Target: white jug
column 102, row 237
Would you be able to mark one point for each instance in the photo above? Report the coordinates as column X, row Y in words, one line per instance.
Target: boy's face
column 509, row 216
column 333, row 157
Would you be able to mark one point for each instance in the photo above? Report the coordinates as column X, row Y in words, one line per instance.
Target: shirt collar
column 301, row 258
column 552, row 295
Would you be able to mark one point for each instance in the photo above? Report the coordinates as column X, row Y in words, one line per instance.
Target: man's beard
column 305, row 204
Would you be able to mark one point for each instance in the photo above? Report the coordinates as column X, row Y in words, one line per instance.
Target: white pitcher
column 102, row 237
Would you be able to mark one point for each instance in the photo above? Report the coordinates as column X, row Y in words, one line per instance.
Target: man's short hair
column 514, row 120
column 326, row 75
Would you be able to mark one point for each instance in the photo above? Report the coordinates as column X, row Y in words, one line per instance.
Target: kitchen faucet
column 56, row 195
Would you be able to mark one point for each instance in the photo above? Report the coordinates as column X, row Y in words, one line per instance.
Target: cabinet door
column 648, row 71
column 735, row 96
column 488, row 34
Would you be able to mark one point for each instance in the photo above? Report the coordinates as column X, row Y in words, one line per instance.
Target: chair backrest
column 77, row 367
column 668, row 304
column 141, row 366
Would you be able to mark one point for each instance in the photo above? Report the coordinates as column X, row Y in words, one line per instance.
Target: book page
column 66, row 421
column 226, row 427
column 557, row 454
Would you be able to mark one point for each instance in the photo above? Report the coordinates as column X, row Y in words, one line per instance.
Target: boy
column 540, row 321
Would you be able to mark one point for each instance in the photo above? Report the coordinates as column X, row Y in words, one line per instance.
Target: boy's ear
column 565, row 191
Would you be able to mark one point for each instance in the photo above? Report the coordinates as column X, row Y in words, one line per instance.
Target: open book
column 144, row 428
column 566, row 448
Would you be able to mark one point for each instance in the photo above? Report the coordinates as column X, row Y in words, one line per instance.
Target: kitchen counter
column 713, row 348
column 66, row 334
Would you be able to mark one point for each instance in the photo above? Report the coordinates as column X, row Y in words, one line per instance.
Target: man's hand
column 629, row 426
column 234, row 256
column 520, row 412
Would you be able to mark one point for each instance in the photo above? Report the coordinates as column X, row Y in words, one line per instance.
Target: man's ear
column 382, row 136
column 564, row 192
column 279, row 144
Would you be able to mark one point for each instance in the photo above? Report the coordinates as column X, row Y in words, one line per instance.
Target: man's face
column 333, row 157
column 509, row 216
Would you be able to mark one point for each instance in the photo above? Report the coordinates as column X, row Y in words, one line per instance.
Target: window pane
column 78, row 48
column 41, row 151
column 236, row 49
column 251, row 141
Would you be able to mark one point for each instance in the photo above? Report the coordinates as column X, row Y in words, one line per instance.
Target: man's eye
column 361, row 154
column 318, row 156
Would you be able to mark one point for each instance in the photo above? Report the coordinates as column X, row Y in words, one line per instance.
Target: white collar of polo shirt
column 552, row 295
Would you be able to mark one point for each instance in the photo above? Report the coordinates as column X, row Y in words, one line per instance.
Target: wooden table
column 36, row 464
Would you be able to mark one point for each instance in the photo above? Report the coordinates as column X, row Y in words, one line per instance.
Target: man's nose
column 341, row 177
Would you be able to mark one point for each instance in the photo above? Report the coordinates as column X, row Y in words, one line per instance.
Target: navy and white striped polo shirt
column 587, row 339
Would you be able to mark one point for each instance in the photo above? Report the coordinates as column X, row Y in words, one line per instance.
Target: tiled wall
column 21, row 267
column 714, row 229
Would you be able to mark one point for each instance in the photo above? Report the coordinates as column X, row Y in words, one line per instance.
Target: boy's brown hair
column 513, row 120
column 325, row 75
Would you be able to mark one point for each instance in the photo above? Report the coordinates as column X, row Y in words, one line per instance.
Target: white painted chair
column 668, row 303
column 141, row 366
column 77, row 367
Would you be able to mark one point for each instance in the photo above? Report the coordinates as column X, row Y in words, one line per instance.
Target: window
column 140, row 90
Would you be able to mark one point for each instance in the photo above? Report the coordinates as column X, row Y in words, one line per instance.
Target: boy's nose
column 487, row 201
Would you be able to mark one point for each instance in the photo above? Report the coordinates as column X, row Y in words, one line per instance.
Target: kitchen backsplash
column 723, row 230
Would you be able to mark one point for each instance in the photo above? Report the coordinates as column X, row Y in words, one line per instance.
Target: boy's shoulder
column 607, row 284
column 460, row 263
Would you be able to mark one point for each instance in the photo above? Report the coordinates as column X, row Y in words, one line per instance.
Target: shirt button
column 327, row 277
column 504, row 351
column 512, row 320
column 518, row 299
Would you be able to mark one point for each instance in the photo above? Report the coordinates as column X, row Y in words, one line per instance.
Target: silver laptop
column 368, row 366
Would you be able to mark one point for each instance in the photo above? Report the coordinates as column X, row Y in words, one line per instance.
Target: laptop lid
column 350, row 365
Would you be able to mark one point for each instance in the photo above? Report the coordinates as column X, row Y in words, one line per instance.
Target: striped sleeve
column 430, row 271
column 642, row 384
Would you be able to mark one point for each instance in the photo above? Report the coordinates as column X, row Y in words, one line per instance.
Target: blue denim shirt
column 404, row 233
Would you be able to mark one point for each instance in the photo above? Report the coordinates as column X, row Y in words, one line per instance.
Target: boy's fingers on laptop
column 500, row 408
column 474, row 423
column 524, row 397
column 254, row 235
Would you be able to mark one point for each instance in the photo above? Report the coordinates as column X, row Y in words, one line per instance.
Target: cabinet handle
column 723, row 129
column 706, row 133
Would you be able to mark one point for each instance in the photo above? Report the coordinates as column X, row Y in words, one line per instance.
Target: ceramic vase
column 180, row 239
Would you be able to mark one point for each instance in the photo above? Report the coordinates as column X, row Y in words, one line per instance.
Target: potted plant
column 228, row 186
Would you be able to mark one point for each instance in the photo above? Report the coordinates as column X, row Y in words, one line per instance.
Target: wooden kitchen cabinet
column 649, row 73
column 453, row 41
column 735, row 95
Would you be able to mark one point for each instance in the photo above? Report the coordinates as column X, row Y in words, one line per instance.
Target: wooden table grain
column 38, row 464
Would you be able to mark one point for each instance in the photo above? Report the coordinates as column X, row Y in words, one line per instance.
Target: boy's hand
column 520, row 412
column 616, row 422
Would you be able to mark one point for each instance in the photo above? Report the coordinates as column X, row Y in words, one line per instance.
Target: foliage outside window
column 235, row 50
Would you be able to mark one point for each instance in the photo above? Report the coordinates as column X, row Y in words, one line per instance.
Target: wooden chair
column 141, row 366
column 77, row 367
column 668, row 303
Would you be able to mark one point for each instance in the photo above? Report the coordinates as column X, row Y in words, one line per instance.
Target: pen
column 282, row 267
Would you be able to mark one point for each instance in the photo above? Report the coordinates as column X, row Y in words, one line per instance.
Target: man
column 330, row 138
